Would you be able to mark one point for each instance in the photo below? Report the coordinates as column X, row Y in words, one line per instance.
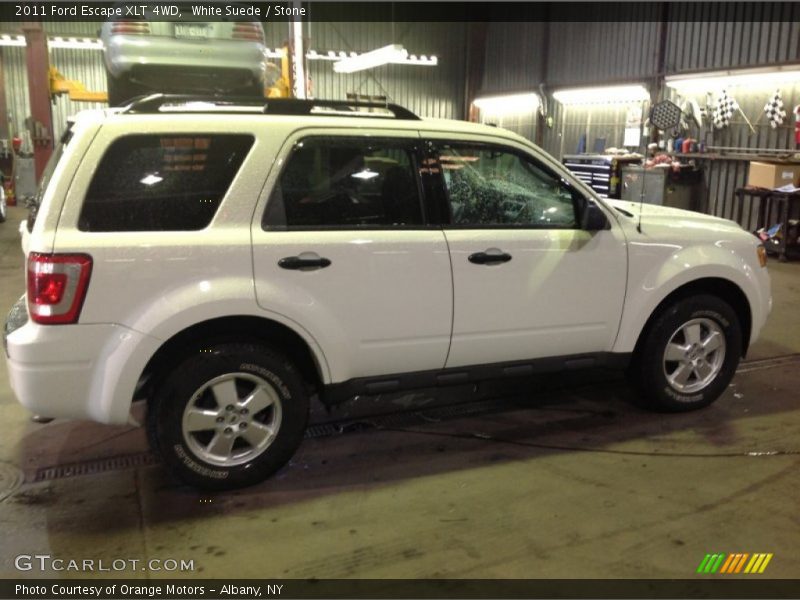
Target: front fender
column 651, row 281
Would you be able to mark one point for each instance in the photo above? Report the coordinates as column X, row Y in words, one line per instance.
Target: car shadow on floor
column 360, row 446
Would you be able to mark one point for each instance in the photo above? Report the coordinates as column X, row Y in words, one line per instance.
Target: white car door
column 528, row 281
column 344, row 250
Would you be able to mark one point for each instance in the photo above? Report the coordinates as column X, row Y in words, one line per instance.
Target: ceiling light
column 374, row 58
column 719, row 80
column 511, row 103
column 75, row 43
column 602, row 95
column 12, row 40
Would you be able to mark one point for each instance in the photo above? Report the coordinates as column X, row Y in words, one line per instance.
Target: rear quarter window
column 162, row 182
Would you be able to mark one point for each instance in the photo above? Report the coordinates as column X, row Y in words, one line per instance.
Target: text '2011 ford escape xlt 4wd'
column 229, row 260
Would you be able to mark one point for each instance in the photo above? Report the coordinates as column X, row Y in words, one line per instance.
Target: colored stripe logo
column 741, row 562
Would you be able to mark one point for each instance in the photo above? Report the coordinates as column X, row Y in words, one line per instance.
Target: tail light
column 248, row 31
column 130, row 28
column 57, row 285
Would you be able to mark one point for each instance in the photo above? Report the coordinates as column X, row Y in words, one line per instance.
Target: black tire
column 650, row 370
column 189, row 455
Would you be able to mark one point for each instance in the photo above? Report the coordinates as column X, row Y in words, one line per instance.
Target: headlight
column 762, row 255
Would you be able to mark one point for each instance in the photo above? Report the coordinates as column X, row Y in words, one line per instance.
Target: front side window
column 346, row 183
column 488, row 185
column 162, row 182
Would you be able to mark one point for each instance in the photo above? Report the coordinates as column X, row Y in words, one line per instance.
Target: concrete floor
column 567, row 482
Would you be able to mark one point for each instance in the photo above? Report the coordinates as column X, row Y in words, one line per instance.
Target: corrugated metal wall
column 514, row 54
column 704, row 36
column 429, row 91
column 85, row 66
column 597, row 52
column 616, row 45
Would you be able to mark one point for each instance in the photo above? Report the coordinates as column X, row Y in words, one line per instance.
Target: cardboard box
column 773, row 175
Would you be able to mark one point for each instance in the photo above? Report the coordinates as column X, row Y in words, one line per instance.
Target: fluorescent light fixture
column 374, row 58
column 12, row 40
column 337, row 56
column 719, row 80
column 510, row 103
column 54, row 42
column 75, row 43
column 602, row 95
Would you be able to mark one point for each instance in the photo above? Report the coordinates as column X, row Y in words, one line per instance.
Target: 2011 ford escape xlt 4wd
column 229, row 260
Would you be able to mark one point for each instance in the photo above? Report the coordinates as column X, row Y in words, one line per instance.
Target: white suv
column 228, row 261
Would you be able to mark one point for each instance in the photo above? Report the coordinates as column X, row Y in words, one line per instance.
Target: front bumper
column 76, row 371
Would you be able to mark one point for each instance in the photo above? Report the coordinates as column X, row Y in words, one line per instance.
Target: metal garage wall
column 723, row 176
column 705, row 36
column 514, row 54
column 429, row 91
column 609, row 51
column 85, row 66
column 16, row 86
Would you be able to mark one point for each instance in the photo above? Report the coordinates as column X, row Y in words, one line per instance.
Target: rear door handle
column 304, row 263
column 489, row 258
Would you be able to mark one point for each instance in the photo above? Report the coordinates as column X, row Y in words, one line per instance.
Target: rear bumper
column 77, row 371
column 140, row 54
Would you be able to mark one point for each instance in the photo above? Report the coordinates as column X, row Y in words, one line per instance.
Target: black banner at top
column 214, row 10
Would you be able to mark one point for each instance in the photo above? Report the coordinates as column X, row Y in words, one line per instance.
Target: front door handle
column 492, row 257
column 304, row 263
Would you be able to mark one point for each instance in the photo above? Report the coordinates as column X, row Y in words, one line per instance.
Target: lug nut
column 244, row 411
column 242, row 425
column 228, row 430
column 229, row 407
column 220, row 419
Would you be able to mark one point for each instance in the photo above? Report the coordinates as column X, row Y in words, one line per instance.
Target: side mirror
column 593, row 218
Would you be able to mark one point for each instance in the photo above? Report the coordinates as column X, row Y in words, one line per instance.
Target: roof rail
column 161, row 103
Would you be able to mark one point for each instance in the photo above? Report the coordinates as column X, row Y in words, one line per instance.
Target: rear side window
column 344, row 183
column 162, row 183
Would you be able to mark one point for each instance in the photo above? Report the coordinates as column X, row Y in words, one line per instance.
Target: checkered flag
column 724, row 109
column 774, row 110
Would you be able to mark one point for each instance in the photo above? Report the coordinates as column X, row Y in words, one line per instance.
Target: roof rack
column 169, row 103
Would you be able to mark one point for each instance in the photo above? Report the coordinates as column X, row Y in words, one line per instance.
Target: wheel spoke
column 712, row 342
column 675, row 352
column 258, row 400
column 257, row 433
column 681, row 375
column 703, row 370
column 692, row 333
column 225, row 392
column 221, row 444
column 197, row 419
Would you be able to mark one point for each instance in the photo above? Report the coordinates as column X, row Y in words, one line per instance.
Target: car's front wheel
column 229, row 416
column 688, row 356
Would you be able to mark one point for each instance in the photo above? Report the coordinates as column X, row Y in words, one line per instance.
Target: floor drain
column 10, row 479
column 91, row 467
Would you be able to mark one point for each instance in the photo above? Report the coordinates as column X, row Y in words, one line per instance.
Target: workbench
column 771, row 202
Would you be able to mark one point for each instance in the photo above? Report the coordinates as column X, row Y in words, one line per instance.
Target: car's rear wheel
column 229, row 416
column 688, row 356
